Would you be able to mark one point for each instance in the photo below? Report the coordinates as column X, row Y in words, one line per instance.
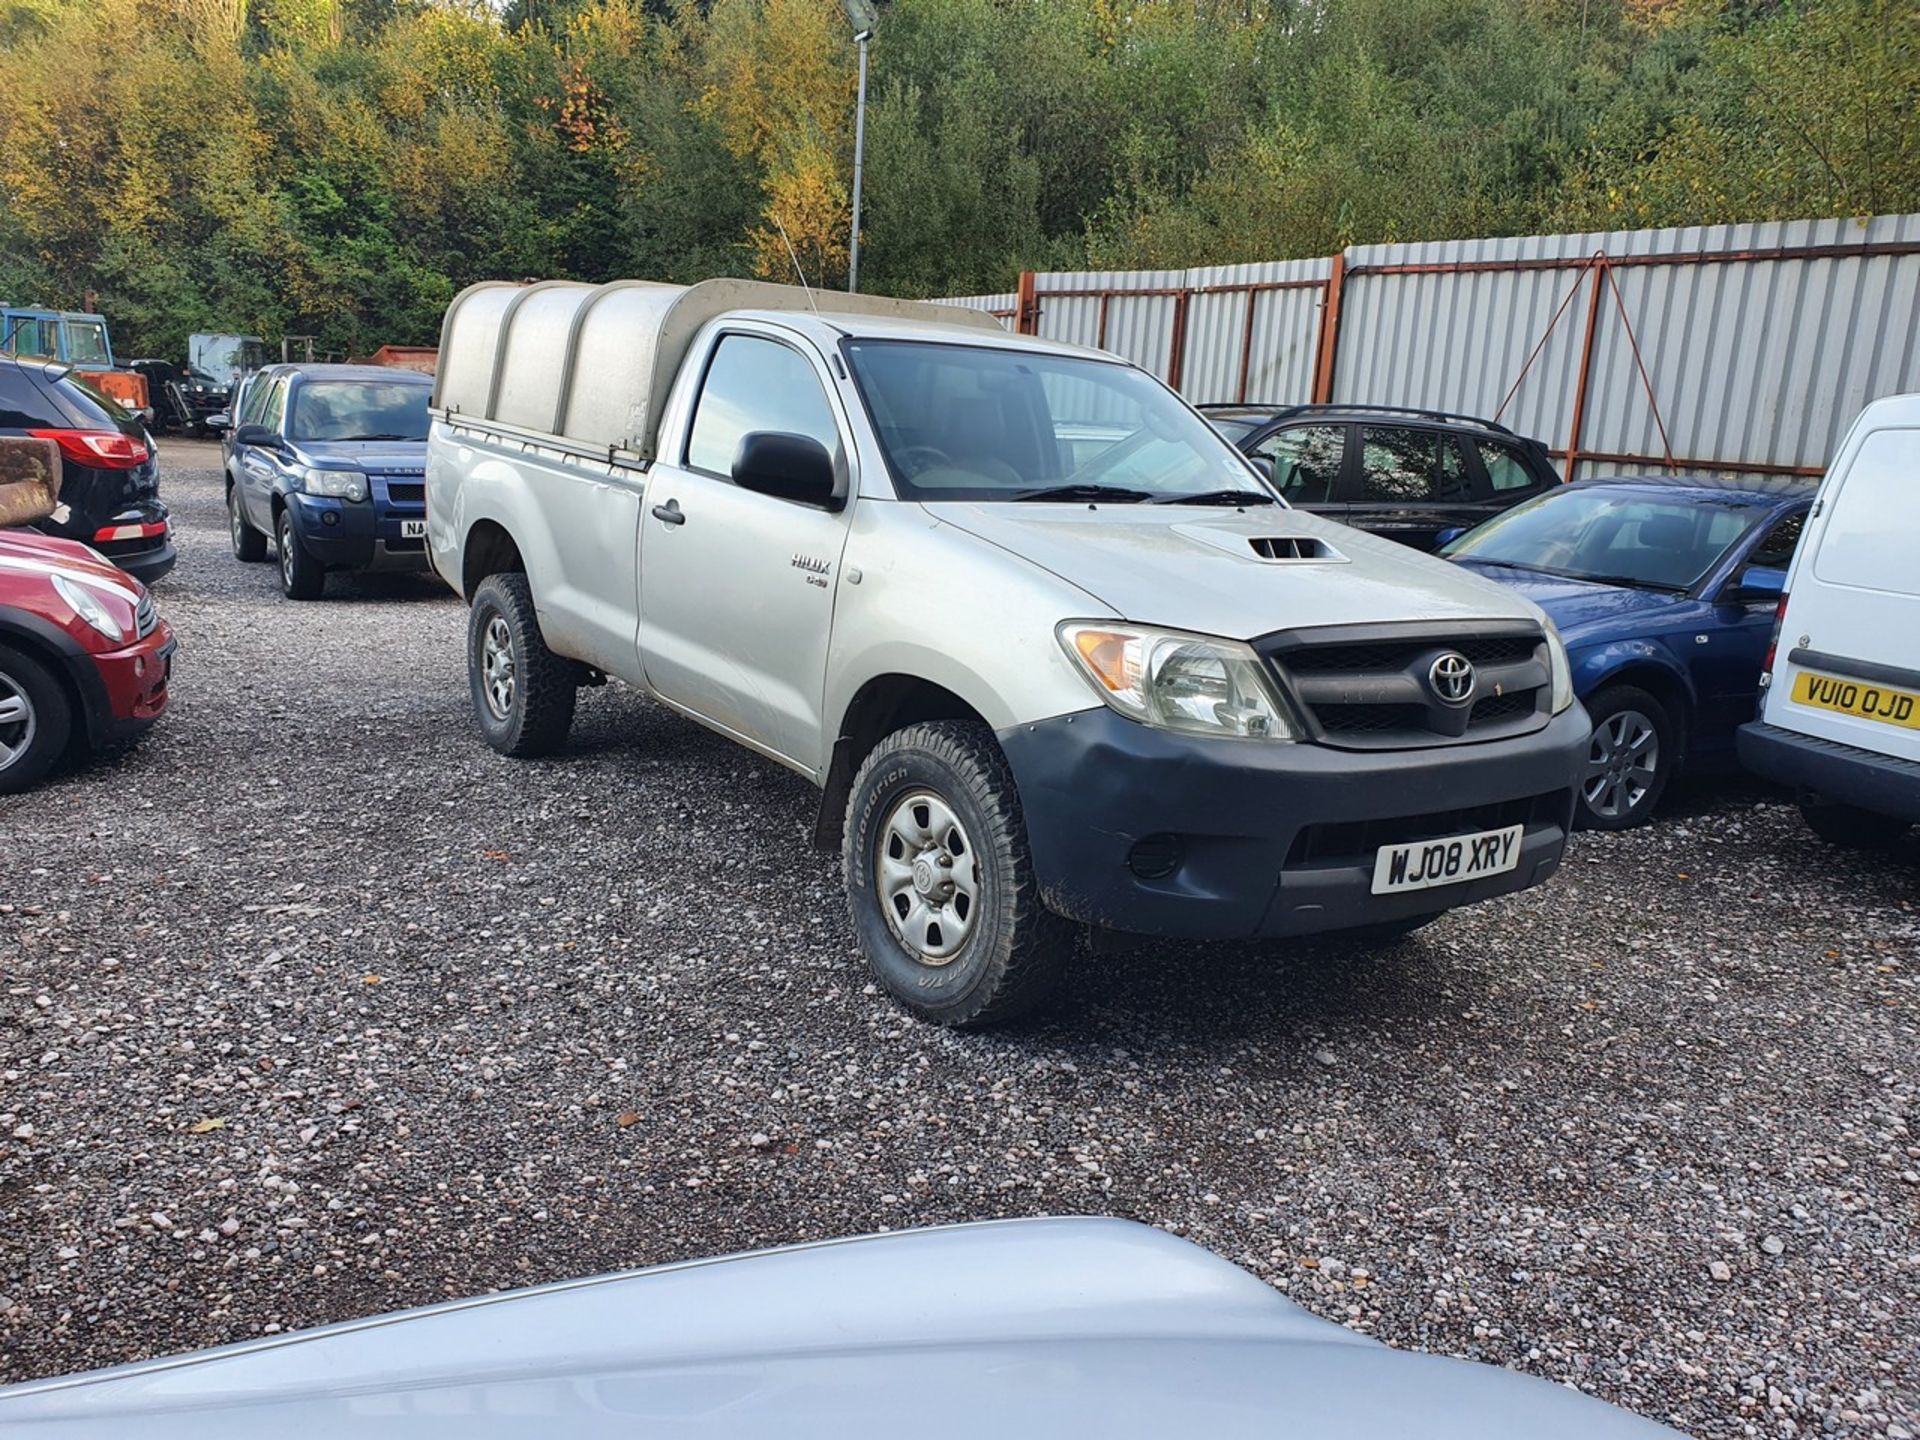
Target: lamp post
column 862, row 14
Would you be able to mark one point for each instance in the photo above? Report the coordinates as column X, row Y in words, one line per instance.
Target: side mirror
column 1264, row 464
column 792, row 467
column 219, row 424
column 257, row 435
column 1755, row 585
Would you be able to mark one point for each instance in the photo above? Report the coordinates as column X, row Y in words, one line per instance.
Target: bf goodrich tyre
column 940, row 880
column 1849, row 825
column 248, row 543
column 301, row 576
column 36, row 722
column 523, row 693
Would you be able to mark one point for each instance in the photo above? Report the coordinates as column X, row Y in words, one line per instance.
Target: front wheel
column 36, row 722
column 1849, row 825
column 940, row 881
column 523, row 693
column 301, row 576
column 1634, row 750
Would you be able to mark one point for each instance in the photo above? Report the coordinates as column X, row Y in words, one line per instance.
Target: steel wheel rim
column 927, row 876
column 1622, row 764
column 18, row 721
column 497, row 668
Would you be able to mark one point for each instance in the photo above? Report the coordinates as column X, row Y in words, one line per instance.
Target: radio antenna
column 796, row 264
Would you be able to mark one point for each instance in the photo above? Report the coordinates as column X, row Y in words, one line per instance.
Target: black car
column 182, row 399
column 109, row 478
column 1416, row 476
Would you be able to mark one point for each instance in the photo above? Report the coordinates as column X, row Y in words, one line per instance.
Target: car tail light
column 101, row 449
column 1773, row 643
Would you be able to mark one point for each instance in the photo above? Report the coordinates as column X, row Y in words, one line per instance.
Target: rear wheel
column 248, row 543
column 1634, row 749
column 1849, row 825
column 523, row 693
column 940, row 880
column 301, row 576
column 36, row 722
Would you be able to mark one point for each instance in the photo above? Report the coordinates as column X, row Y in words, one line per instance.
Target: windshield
column 1235, row 427
column 962, row 422
column 359, row 410
column 1618, row 535
column 87, row 342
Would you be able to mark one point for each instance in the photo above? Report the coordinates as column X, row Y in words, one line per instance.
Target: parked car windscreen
column 93, row 409
column 962, row 422
column 359, row 410
column 1616, row 535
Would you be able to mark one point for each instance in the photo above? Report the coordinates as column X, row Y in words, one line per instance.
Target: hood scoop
column 1292, row 547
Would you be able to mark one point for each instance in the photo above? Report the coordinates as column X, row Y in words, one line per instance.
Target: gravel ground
column 312, row 1007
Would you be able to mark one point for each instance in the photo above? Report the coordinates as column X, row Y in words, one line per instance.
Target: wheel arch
column 488, row 548
column 1644, row 670
column 70, row 665
column 883, row 704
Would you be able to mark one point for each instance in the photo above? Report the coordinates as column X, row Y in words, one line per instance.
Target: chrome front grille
column 1375, row 687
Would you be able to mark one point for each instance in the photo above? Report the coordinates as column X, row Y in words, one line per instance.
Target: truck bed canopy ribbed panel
column 591, row 365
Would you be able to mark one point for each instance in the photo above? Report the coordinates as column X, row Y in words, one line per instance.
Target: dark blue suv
column 331, row 461
column 1665, row 591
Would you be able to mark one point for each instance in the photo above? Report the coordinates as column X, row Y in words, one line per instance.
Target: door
column 737, row 587
column 1732, row 642
column 255, row 465
column 1853, row 624
column 1304, row 462
column 1413, row 484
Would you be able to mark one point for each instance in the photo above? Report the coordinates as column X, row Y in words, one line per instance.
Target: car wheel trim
column 286, row 550
column 18, row 722
column 497, row 667
column 1622, row 764
column 927, row 877
column 233, row 518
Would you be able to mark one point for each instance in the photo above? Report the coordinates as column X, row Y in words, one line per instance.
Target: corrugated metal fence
column 1738, row 348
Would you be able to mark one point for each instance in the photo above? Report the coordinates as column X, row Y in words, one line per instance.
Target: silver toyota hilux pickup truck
column 1056, row 656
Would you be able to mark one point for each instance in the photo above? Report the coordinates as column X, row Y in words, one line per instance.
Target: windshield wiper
column 1631, row 582
column 379, row 437
column 1114, row 494
column 1219, row 497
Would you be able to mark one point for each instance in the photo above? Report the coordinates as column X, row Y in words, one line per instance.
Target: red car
column 84, row 656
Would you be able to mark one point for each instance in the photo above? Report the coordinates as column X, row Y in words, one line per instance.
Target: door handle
column 669, row 513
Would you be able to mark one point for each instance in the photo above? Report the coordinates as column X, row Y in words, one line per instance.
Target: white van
column 1840, row 712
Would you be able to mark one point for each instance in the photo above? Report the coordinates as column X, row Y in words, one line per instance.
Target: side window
column 255, row 401
column 1306, row 460
column 1775, row 550
column 1505, row 468
column 22, row 405
column 756, row 384
column 275, row 406
column 1400, row 465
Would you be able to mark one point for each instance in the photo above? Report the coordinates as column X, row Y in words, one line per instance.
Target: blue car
column 331, row 461
column 1665, row 591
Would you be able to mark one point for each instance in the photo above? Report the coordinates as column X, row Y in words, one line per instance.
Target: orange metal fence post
column 1329, row 332
column 1177, row 356
column 1597, row 266
column 1027, row 307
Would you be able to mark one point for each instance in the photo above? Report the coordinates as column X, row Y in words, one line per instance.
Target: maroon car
column 84, row 656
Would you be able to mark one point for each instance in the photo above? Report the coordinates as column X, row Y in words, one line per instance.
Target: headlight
column 1176, row 681
column 1562, row 669
column 340, row 484
column 88, row 607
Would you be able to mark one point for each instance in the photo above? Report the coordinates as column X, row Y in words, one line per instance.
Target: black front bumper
column 357, row 534
column 1260, row 839
column 1884, row 784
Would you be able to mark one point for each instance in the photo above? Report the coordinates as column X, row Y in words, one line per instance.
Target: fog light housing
column 1156, row 857
column 329, row 517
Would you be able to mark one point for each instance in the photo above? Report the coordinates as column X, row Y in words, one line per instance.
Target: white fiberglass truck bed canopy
column 590, row 366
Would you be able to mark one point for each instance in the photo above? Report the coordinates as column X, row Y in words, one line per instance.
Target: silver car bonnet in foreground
column 1021, row 1328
